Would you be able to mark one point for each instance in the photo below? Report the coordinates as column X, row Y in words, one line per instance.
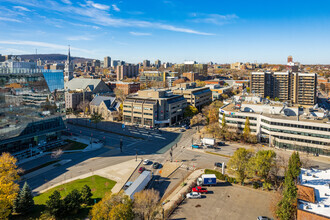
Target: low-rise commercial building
column 293, row 128
column 313, row 195
column 154, row 108
column 195, row 96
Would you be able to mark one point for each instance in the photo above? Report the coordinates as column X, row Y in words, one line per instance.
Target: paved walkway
column 119, row 173
column 169, row 168
column 175, row 195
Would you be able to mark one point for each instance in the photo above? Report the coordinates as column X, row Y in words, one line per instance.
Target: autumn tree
column 247, row 130
column 146, row 204
column 178, row 81
column 263, row 162
column 8, row 185
column 198, row 119
column 113, row 206
column 200, row 83
column 239, row 163
column 190, row 111
column 120, row 95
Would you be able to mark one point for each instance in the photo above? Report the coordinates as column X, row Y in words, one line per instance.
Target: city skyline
column 221, row 31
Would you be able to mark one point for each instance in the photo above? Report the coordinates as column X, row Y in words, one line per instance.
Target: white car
column 128, row 184
column 194, row 195
column 146, row 161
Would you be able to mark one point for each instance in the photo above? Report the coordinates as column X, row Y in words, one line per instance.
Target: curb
column 174, row 171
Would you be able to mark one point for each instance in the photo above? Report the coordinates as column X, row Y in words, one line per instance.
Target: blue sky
column 170, row 30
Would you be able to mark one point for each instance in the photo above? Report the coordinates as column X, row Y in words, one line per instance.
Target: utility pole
column 121, row 145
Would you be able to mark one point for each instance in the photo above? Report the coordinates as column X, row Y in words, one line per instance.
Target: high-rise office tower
column 146, row 63
column 107, row 62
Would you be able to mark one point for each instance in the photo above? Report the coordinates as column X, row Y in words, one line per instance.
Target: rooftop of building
column 121, row 82
column 154, row 94
column 82, row 83
column 109, row 101
column 318, row 180
column 279, row 111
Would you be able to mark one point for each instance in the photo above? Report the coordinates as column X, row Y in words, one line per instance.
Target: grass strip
column 39, row 167
column 221, row 155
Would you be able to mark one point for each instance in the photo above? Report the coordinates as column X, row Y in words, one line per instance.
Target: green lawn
column 98, row 185
column 74, row 145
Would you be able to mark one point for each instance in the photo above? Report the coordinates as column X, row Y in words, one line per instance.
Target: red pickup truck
column 199, row 189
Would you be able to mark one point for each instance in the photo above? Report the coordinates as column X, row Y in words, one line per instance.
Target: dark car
column 221, row 143
column 155, row 165
column 217, row 164
column 141, row 169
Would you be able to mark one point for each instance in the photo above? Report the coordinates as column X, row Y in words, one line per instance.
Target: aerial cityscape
column 164, row 110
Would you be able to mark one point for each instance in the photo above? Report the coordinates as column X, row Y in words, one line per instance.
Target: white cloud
column 67, row 2
column 96, row 13
column 21, row 8
column 115, row 7
column 78, row 38
column 42, row 44
column 216, row 19
column 97, row 5
column 139, row 33
column 10, row 19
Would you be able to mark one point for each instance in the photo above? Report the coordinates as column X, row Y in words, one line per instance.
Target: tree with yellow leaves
column 8, row 186
column 113, row 206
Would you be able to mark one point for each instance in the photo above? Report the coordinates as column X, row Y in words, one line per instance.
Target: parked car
column 196, row 146
column 155, row 165
column 141, row 169
column 217, row 164
column 128, row 184
column 263, row 218
column 220, row 143
column 199, row 189
column 182, row 130
column 210, row 146
column 146, row 161
column 194, row 195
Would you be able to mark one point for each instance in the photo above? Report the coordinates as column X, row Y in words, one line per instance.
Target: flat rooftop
column 274, row 111
column 320, row 181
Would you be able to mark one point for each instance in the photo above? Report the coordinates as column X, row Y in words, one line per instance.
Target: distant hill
column 53, row 57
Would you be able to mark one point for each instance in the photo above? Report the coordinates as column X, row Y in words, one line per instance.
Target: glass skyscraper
column 31, row 109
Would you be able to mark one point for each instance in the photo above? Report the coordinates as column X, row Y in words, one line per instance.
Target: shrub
column 267, row 185
column 255, row 185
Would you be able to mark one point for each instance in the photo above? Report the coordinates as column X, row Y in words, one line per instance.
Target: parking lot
column 226, row 201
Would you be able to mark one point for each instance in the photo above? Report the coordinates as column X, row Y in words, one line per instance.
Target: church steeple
column 69, row 56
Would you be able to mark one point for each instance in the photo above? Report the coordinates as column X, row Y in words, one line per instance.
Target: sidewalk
column 119, row 173
column 175, row 195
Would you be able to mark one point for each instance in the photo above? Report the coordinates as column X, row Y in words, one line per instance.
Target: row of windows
column 295, row 132
column 301, row 140
column 239, row 116
column 296, row 126
column 239, row 122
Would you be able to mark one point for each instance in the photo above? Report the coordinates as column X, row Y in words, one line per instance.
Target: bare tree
column 57, row 153
column 83, row 106
column 146, row 204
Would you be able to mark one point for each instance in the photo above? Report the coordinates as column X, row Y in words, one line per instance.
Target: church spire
column 69, row 56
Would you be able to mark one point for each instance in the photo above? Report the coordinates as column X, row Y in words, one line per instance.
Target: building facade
column 31, row 110
column 154, row 108
column 292, row 87
column 191, row 67
column 127, row 71
column 293, row 128
column 126, row 87
column 107, row 62
column 107, row 106
column 195, row 96
column 68, row 68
